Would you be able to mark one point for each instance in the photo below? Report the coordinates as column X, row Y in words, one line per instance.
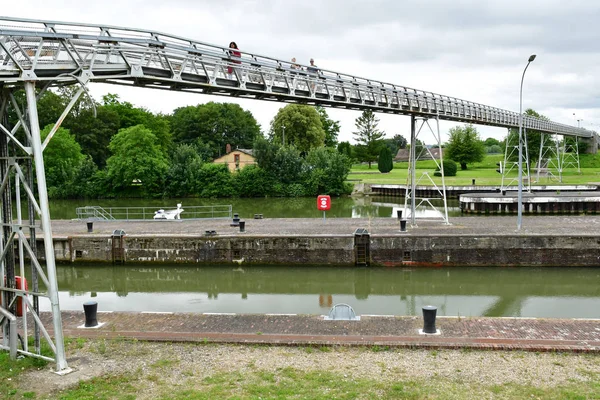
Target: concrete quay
column 528, row 334
column 572, row 240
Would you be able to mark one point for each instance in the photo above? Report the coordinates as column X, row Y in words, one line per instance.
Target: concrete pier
column 467, row 241
column 506, row 202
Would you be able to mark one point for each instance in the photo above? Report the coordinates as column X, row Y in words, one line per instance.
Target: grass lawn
column 170, row 375
column 484, row 173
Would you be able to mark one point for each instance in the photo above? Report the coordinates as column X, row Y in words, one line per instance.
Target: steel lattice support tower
column 424, row 202
column 510, row 165
column 21, row 153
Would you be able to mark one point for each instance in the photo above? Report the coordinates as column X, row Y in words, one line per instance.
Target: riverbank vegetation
column 112, row 149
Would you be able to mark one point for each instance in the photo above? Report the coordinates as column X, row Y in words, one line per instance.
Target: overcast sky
column 475, row 50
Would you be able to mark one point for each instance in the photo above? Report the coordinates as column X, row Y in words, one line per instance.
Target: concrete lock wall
column 339, row 250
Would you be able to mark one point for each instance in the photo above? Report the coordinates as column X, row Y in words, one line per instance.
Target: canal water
column 491, row 291
column 273, row 207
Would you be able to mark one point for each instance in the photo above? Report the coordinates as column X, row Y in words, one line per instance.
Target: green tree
column 132, row 116
column 450, row 169
column 253, row 181
column 288, row 165
column 491, row 142
column 62, row 158
column 331, row 127
column 396, row 143
column 385, row 163
column 264, row 153
column 88, row 181
column 327, row 170
column 182, row 175
column 301, row 125
column 368, row 137
column 137, row 157
column 215, row 180
column 95, row 132
column 464, row 146
column 216, row 125
column 347, row 149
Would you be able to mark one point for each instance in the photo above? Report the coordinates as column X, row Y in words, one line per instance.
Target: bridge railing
column 50, row 50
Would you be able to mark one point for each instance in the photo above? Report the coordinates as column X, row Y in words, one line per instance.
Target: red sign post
column 323, row 203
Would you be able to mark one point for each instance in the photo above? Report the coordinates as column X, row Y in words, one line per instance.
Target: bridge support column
column 22, row 148
column 511, row 165
column 591, row 144
column 439, row 193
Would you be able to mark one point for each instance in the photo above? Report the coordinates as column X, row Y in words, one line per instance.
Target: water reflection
column 526, row 292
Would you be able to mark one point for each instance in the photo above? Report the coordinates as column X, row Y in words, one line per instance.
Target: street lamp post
column 520, row 191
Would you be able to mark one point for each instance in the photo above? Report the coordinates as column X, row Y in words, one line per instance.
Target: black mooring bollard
column 504, row 193
column 236, row 220
column 91, row 310
column 402, row 225
column 242, row 226
column 399, row 213
column 473, row 182
column 90, row 226
column 429, row 313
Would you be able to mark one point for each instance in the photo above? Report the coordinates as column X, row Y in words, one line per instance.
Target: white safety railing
column 148, row 213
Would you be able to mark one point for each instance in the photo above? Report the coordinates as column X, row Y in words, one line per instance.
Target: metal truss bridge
column 63, row 53
column 37, row 55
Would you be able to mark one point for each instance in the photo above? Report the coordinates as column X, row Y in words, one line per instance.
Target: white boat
column 169, row 214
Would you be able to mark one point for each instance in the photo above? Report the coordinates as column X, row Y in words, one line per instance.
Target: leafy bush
column 493, row 149
column 327, row 171
column 450, row 168
column 252, row 181
column 215, row 180
column 385, row 163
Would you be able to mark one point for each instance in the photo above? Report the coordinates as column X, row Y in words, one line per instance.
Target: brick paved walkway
column 479, row 333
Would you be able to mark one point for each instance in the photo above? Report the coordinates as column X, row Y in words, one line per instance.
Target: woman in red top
column 235, row 56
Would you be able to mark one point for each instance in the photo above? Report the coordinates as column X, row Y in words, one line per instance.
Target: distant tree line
column 113, row 149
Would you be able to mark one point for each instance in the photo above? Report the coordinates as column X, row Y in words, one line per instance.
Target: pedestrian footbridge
column 62, row 53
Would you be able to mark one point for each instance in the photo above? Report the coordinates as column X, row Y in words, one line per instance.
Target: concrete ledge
column 475, row 332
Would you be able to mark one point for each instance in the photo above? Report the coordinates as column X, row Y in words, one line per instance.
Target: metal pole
column 413, row 175
column 520, row 191
column 36, row 144
column 439, row 138
column 540, row 157
column 527, row 159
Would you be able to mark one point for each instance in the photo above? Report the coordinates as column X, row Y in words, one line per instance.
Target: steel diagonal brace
column 5, row 180
column 63, row 116
column 6, row 248
column 27, row 150
column 8, row 53
column 40, row 324
column 21, row 120
column 32, row 255
column 27, row 188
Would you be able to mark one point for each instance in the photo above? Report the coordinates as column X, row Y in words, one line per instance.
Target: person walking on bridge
column 313, row 72
column 235, row 56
